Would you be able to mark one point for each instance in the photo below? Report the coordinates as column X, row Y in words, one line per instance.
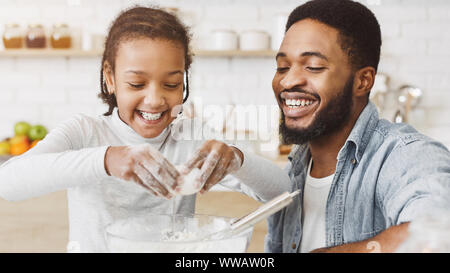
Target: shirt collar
column 362, row 131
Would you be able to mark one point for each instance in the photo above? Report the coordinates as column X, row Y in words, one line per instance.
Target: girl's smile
column 149, row 118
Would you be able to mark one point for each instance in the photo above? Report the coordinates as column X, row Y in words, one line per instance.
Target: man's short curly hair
column 360, row 34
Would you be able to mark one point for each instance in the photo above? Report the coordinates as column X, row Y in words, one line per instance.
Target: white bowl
column 149, row 234
column 254, row 40
column 223, row 40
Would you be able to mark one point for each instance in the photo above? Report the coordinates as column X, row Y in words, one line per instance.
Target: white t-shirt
column 315, row 197
column 72, row 157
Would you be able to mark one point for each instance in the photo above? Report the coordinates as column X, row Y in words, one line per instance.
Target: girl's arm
column 259, row 178
column 57, row 162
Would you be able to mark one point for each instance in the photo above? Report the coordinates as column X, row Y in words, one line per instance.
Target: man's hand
column 143, row 165
column 215, row 160
column 387, row 241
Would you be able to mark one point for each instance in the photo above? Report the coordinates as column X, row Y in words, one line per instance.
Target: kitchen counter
column 281, row 161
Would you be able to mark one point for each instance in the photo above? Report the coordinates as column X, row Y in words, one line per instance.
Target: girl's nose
column 154, row 97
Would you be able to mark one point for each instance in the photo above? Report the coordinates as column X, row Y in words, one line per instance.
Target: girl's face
column 148, row 83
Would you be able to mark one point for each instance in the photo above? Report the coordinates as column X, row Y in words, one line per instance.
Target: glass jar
column 61, row 37
column 12, row 36
column 35, row 37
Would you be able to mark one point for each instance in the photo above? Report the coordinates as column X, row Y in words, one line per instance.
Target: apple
column 22, row 128
column 19, row 145
column 18, row 140
column 4, row 147
column 37, row 132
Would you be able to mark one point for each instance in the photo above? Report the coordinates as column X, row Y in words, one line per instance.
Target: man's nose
column 294, row 77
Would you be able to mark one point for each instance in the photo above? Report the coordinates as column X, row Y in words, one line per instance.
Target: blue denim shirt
column 384, row 177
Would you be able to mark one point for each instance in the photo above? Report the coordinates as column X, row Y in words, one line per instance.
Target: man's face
column 313, row 83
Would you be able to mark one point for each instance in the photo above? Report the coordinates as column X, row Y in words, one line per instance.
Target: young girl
column 145, row 63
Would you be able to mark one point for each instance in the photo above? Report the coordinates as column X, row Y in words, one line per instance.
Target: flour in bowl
column 181, row 242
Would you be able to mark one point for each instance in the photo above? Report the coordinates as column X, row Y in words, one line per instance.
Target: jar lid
column 11, row 25
column 61, row 25
column 35, row 25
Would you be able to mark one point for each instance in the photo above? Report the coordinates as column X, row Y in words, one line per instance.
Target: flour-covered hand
column 215, row 160
column 143, row 165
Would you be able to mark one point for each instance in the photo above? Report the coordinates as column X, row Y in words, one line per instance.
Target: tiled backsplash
column 49, row 90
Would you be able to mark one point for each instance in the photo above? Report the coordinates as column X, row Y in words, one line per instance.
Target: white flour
column 189, row 183
column 170, row 236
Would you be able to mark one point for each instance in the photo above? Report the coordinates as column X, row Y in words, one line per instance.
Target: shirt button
column 294, row 246
column 353, row 161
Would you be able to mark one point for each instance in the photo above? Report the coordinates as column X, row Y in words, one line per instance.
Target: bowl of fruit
column 26, row 136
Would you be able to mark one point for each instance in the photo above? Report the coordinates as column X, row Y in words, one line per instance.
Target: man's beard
column 327, row 121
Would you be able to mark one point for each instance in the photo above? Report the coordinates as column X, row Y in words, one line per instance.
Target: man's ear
column 108, row 76
column 363, row 81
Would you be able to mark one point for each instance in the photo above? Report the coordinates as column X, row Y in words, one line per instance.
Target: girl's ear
column 108, row 77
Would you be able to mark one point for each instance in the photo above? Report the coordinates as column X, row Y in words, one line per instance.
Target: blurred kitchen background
column 235, row 43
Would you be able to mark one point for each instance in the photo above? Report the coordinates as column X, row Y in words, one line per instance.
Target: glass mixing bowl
column 180, row 233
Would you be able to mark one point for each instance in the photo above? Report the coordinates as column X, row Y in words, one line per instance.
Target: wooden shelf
column 234, row 53
column 48, row 53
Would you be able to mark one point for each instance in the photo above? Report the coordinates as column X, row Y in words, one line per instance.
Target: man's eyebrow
column 314, row 53
column 304, row 54
column 176, row 72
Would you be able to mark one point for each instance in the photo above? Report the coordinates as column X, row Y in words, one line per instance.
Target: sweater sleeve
column 56, row 163
column 258, row 178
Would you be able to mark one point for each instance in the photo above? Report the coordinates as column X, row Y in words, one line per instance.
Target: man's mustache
column 298, row 90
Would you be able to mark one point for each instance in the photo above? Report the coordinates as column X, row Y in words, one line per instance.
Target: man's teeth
column 150, row 116
column 296, row 103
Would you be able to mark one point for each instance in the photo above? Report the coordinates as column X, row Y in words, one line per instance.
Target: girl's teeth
column 295, row 103
column 150, row 116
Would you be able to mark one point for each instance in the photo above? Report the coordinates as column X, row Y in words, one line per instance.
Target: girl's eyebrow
column 138, row 72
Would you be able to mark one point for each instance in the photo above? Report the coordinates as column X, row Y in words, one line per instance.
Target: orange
column 34, row 143
column 19, row 145
column 19, row 148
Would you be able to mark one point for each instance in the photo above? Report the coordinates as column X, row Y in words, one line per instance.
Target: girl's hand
column 143, row 165
column 215, row 160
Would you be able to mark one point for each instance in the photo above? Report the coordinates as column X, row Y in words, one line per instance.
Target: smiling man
column 363, row 179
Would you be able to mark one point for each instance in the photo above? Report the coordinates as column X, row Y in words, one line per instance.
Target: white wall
column 416, row 44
